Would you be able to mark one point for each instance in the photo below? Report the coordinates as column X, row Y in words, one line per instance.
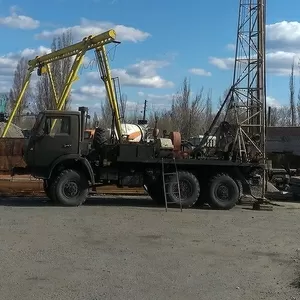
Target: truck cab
column 55, row 136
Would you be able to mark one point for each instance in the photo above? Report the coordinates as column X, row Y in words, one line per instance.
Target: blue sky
column 161, row 42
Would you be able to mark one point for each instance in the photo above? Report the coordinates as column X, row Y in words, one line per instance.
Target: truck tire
column 99, row 138
column 189, row 189
column 223, row 192
column 70, row 188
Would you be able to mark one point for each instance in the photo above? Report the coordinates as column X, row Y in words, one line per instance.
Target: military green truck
column 71, row 165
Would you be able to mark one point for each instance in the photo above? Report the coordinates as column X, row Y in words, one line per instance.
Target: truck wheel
column 99, row 138
column 189, row 189
column 223, row 192
column 70, row 188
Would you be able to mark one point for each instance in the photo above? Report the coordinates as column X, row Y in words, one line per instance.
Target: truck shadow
column 24, row 201
column 121, row 201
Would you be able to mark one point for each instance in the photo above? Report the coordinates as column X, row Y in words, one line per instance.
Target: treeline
column 190, row 113
column 287, row 115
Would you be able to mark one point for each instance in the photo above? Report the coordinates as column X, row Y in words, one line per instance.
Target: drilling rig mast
column 242, row 132
column 241, row 135
column 247, row 103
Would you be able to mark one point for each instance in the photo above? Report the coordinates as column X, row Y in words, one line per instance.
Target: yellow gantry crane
column 42, row 63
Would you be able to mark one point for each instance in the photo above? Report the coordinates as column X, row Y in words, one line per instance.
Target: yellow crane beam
column 79, row 50
column 109, row 86
column 88, row 43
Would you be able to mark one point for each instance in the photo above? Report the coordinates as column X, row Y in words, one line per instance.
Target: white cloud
column 155, row 97
column 283, row 47
column 284, row 36
column 9, row 62
column 157, row 101
column 142, row 74
column 278, row 63
column 199, row 72
column 146, row 67
column 4, row 84
column 19, row 21
column 134, row 106
column 273, row 102
column 28, row 53
column 88, row 27
column 93, row 96
column 222, row 63
column 88, row 93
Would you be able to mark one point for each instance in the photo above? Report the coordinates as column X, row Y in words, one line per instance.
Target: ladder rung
column 170, row 182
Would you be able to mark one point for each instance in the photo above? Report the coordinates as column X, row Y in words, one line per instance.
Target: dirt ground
column 124, row 248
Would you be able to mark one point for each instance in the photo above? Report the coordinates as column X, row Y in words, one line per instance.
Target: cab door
column 60, row 137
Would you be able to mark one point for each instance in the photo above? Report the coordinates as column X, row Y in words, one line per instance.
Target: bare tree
column 223, row 112
column 298, row 102
column 208, row 110
column 284, row 116
column 274, row 116
column 43, row 95
column 165, row 121
column 18, row 82
column 187, row 113
column 123, row 107
column 132, row 116
column 95, row 120
column 60, row 70
column 106, row 115
column 292, row 96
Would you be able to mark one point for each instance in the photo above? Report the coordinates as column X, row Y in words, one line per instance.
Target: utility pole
column 145, row 110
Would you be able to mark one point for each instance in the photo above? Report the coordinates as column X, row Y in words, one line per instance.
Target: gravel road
column 127, row 249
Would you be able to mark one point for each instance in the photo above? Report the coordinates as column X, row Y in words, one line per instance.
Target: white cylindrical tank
column 134, row 133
